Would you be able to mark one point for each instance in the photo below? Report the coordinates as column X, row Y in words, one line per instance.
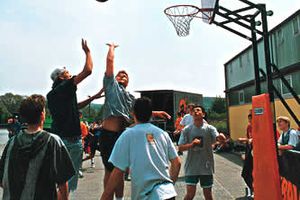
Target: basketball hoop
column 182, row 15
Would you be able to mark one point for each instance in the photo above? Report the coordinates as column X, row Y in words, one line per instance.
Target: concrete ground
column 228, row 183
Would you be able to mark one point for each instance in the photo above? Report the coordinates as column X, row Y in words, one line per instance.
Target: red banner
column 265, row 164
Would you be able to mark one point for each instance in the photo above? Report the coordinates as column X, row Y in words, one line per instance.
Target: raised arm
column 88, row 67
column 110, row 59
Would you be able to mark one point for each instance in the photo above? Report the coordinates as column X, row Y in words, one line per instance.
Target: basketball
column 102, row 1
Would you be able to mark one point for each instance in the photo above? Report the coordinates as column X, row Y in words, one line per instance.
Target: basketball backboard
column 208, row 4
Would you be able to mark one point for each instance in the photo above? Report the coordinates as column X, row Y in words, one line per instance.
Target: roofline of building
column 140, row 91
column 260, row 39
column 290, row 69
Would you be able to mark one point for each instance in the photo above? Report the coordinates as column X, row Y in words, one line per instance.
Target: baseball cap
column 58, row 71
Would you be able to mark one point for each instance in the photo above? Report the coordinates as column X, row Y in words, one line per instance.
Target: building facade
column 239, row 75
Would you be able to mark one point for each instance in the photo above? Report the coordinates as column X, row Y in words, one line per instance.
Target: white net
column 181, row 17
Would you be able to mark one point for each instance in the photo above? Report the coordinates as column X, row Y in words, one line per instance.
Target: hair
column 203, row 110
column 31, row 109
column 122, row 72
column 191, row 105
column 179, row 114
column 198, row 106
column 142, row 109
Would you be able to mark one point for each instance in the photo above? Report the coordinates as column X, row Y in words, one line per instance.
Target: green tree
column 219, row 105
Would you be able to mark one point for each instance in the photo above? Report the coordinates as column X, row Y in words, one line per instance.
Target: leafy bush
column 221, row 126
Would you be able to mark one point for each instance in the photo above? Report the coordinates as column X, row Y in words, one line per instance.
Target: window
column 241, row 97
column 241, row 61
column 284, row 89
column 279, row 37
column 296, row 23
column 230, row 68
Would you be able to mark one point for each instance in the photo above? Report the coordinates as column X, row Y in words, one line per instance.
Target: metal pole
column 267, row 51
column 268, row 67
column 255, row 58
column 89, row 107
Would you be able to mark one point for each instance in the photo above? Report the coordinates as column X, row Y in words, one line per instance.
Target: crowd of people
column 37, row 164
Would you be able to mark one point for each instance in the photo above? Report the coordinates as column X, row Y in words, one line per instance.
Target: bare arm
column 161, row 114
column 185, row 147
column 63, row 193
column 90, row 99
column 285, row 147
column 88, row 67
column 221, row 138
column 115, row 179
column 110, row 59
column 175, row 168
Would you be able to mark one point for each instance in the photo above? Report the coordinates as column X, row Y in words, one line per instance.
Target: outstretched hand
column 85, row 46
column 112, row 45
column 99, row 94
column 221, row 138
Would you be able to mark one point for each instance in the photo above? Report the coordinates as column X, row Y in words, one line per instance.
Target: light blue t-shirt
column 146, row 150
column 200, row 160
column 118, row 101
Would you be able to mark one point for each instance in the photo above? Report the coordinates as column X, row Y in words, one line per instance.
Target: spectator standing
column 289, row 138
column 35, row 163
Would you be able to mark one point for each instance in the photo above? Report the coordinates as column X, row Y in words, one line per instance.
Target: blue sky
column 38, row 36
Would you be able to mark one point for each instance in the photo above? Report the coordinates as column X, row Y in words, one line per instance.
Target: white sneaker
column 93, row 163
column 80, row 174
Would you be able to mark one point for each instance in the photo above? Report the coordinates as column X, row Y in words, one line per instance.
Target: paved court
column 228, row 182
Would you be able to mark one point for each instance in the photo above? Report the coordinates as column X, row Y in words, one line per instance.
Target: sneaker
column 127, row 178
column 93, row 163
column 80, row 174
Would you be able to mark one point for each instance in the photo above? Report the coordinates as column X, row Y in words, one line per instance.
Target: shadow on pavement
column 241, row 198
column 232, row 157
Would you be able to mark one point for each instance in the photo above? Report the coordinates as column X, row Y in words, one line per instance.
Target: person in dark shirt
column 64, row 108
column 14, row 126
column 35, row 163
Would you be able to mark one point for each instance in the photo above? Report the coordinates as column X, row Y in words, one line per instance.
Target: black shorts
column 107, row 140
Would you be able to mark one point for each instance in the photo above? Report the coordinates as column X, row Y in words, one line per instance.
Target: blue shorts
column 75, row 150
column 206, row 181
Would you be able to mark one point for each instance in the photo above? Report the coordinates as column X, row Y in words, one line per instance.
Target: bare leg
column 119, row 192
column 190, row 192
column 105, row 181
column 106, row 177
column 207, row 194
